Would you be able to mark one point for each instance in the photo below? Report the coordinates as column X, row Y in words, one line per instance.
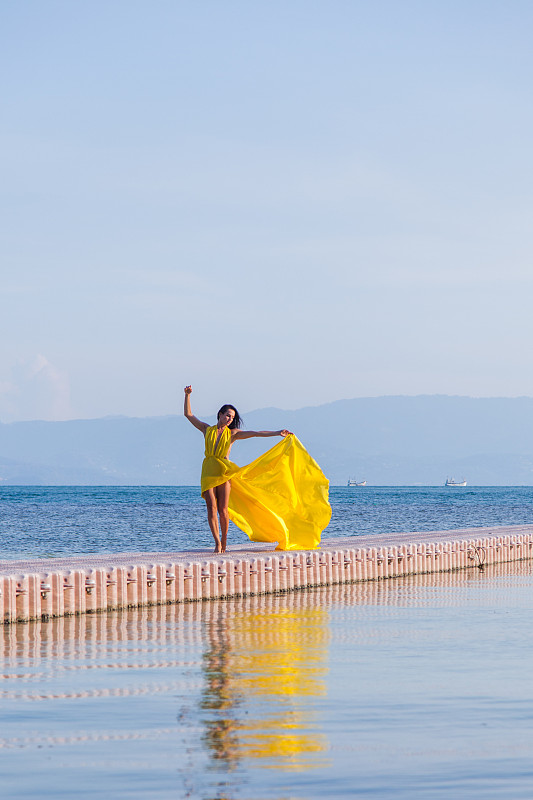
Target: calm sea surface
column 411, row 689
column 56, row 521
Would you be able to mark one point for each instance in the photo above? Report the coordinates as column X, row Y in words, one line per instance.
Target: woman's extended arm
column 202, row 426
column 250, row 434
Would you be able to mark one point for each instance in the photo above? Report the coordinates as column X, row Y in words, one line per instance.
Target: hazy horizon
column 387, row 440
column 179, row 413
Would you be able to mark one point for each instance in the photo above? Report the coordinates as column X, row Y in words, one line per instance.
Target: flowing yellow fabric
column 281, row 497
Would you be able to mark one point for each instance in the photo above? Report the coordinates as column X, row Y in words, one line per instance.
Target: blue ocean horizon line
column 53, row 521
column 197, row 486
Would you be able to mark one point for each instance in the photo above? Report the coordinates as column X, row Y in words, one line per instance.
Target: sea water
column 414, row 689
column 407, row 689
column 41, row 522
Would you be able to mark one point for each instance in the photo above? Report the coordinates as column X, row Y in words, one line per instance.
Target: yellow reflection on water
column 264, row 668
column 241, row 680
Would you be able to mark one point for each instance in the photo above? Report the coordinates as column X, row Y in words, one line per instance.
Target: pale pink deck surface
column 253, row 549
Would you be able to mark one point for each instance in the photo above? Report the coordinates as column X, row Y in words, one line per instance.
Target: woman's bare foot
column 218, row 549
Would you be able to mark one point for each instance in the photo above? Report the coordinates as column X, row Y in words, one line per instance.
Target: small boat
column 451, row 482
column 353, row 482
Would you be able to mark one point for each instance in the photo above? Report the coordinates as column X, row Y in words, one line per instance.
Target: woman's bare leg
column 212, row 508
column 222, row 498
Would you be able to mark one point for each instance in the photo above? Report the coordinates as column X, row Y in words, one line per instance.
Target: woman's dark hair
column 237, row 419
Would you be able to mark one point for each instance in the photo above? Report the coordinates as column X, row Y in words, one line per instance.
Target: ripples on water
column 55, row 521
column 409, row 689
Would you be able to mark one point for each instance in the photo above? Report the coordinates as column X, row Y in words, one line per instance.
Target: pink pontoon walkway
column 40, row 589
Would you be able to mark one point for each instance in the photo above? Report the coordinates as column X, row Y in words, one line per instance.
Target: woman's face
column 226, row 417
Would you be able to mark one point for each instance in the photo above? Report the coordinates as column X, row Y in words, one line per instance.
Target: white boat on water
column 451, row 482
column 353, row 482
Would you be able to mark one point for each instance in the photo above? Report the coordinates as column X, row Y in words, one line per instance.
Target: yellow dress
column 281, row 497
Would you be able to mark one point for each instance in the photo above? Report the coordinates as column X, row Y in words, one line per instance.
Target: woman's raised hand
column 188, row 390
column 285, row 433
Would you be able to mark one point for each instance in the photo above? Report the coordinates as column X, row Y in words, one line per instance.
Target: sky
column 283, row 204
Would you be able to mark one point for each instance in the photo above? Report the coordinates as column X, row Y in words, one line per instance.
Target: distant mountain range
column 384, row 440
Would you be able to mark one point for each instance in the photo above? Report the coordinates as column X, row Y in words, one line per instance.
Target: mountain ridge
column 387, row 440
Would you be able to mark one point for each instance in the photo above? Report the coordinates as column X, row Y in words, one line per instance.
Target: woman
column 280, row 497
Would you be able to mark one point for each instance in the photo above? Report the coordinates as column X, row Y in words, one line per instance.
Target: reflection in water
column 221, row 735
column 264, row 666
column 139, row 703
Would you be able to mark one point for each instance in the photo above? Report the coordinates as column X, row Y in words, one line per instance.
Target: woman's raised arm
column 202, row 426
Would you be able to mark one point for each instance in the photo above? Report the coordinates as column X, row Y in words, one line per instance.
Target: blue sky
column 283, row 203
